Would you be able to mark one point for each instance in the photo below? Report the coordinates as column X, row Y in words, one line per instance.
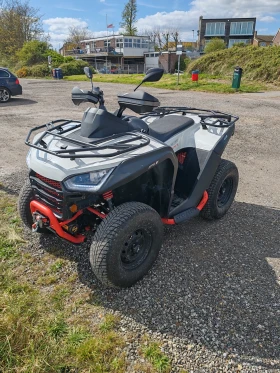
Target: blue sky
column 182, row 15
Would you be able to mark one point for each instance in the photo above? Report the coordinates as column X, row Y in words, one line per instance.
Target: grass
column 153, row 353
column 259, row 64
column 45, row 326
column 207, row 82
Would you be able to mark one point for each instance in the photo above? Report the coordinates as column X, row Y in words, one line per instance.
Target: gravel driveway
column 213, row 296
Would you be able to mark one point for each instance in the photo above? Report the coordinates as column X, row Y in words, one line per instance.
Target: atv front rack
column 220, row 119
column 96, row 148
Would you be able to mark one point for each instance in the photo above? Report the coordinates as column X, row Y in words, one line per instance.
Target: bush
column 75, row 67
column 184, row 62
column 57, row 58
column 23, row 72
column 260, row 64
column 39, row 71
column 69, row 59
column 214, row 45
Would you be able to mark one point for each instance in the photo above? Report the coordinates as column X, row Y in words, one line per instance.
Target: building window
column 241, row 28
column 106, row 43
column 236, row 41
column 136, row 43
column 215, row 29
column 262, row 44
column 119, row 43
column 145, row 43
column 127, row 43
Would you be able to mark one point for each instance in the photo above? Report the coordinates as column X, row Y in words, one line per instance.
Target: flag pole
column 107, row 45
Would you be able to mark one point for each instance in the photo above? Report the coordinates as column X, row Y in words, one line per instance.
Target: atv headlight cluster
column 89, row 182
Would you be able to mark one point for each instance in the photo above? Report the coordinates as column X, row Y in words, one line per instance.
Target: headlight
column 89, row 182
column 28, row 158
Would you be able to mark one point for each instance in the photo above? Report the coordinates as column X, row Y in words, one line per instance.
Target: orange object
column 73, row 208
column 55, row 224
column 202, row 203
column 200, row 206
column 96, row 212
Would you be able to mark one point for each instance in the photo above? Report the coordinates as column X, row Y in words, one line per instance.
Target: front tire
column 222, row 191
column 126, row 244
column 5, row 95
column 24, row 199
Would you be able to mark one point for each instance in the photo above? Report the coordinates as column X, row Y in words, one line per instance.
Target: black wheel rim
column 225, row 192
column 136, row 249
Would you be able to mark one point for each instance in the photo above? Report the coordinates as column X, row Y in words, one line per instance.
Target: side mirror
column 153, row 75
column 88, row 72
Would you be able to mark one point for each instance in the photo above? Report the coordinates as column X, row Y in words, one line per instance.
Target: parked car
column 104, row 70
column 9, row 85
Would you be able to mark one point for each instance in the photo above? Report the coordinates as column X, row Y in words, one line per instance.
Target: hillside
column 258, row 63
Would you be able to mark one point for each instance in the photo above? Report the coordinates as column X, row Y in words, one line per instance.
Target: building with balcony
column 231, row 30
column 120, row 53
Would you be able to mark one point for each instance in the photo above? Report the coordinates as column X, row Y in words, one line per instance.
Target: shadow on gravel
column 18, row 102
column 214, row 284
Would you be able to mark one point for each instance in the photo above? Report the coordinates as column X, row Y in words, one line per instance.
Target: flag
column 110, row 26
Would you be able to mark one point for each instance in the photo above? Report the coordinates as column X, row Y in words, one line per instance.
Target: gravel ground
column 213, row 297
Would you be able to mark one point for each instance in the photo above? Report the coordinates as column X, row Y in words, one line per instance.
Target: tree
column 37, row 52
column 19, row 23
column 215, row 44
column 129, row 18
column 76, row 34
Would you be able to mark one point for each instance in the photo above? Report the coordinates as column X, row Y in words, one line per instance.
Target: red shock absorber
column 108, row 196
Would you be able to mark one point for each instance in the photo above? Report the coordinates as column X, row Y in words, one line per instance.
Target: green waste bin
column 236, row 80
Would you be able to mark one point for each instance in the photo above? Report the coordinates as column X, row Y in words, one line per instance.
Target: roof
column 119, row 36
column 276, row 34
column 266, row 38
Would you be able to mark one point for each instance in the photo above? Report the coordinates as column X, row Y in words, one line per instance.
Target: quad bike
column 120, row 178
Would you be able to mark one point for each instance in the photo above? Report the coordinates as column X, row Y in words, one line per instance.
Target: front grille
column 49, row 192
column 52, row 183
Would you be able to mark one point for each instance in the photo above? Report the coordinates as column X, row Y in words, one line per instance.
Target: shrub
column 23, row 72
column 69, row 59
column 75, row 67
column 39, row 71
column 214, row 45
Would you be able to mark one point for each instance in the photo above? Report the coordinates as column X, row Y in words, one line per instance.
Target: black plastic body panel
column 205, row 176
column 139, row 101
column 79, row 96
column 98, row 123
column 133, row 167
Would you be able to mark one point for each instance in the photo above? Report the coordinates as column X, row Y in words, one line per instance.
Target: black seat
column 166, row 127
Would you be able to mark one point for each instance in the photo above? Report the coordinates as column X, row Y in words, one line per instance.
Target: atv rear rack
column 222, row 119
column 58, row 130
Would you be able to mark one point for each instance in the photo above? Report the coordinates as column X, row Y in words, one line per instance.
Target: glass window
column 236, row 41
column 241, row 28
column 4, row 74
column 136, row 43
column 128, row 43
column 215, row 28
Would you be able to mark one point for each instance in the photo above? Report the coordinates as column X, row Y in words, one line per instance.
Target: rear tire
column 5, row 95
column 126, row 244
column 222, row 191
column 24, row 199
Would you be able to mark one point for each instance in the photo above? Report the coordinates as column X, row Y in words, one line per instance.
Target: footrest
column 186, row 215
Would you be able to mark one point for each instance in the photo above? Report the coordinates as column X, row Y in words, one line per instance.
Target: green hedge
column 75, row 67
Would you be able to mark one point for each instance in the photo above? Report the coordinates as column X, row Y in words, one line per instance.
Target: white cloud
column 267, row 19
column 58, row 28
